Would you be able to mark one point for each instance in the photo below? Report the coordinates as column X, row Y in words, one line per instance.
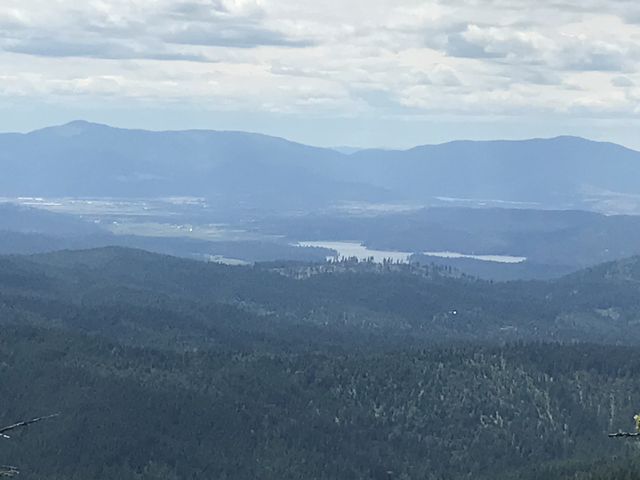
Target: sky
column 366, row 73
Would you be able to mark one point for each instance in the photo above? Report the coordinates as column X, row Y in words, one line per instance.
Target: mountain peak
column 72, row 129
column 81, row 123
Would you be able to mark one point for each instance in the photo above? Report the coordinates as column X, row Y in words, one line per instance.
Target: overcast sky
column 330, row 72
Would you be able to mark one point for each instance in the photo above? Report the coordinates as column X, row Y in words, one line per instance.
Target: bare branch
column 24, row 424
column 7, row 471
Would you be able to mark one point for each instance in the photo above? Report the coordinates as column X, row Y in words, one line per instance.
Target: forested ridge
column 439, row 413
column 144, row 298
column 169, row 369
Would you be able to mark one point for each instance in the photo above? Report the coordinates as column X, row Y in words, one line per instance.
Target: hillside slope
column 165, row 368
column 129, row 294
column 562, row 171
column 84, row 159
column 455, row 413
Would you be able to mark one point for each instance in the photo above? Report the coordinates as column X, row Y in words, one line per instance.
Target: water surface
column 346, row 249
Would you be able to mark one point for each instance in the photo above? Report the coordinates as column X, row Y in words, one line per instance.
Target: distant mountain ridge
column 86, row 159
column 562, row 171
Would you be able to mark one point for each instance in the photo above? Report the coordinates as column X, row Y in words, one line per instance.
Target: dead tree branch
column 7, row 471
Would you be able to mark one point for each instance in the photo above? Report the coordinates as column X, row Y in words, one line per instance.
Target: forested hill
column 152, row 299
column 526, row 412
column 167, row 369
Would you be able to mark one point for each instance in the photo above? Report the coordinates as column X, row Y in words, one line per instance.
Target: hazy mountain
column 84, row 159
column 552, row 172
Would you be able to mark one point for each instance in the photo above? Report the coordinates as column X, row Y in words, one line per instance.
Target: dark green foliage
column 446, row 413
column 620, row 467
column 172, row 369
column 138, row 297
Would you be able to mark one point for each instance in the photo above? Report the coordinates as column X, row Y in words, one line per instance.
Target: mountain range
column 86, row 159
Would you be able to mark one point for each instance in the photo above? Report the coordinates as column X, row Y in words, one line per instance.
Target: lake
column 361, row 252
column 356, row 249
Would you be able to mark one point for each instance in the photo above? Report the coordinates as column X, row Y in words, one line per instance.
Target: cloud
column 386, row 58
column 222, row 23
column 558, row 52
column 622, row 82
column 127, row 30
column 584, row 55
column 439, row 75
column 187, row 10
column 95, row 48
column 459, row 46
column 444, row 75
column 238, row 36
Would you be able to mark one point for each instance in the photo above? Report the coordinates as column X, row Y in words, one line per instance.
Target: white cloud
column 392, row 58
column 622, row 82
